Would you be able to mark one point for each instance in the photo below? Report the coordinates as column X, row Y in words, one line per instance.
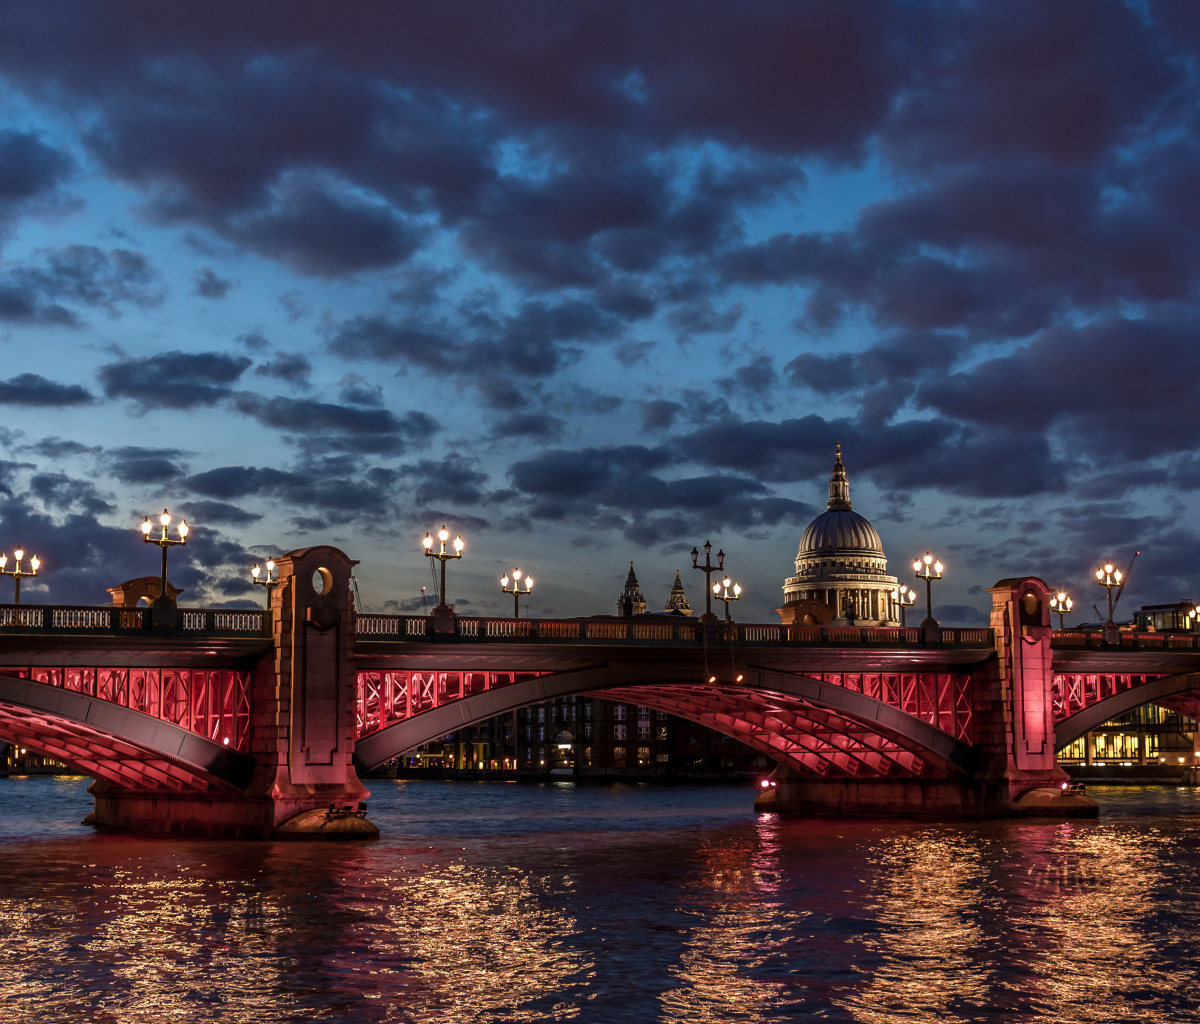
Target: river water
column 497, row 902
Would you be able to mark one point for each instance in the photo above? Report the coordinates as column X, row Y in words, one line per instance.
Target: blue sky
column 598, row 282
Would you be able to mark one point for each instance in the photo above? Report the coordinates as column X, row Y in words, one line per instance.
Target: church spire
column 839, row 486
column 678, row 601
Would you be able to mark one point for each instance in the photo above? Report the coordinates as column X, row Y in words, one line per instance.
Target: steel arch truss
column 122, row 745
column 1084, row 702
column 835, row 724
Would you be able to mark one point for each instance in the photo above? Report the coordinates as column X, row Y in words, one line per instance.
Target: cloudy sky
column 597, row 282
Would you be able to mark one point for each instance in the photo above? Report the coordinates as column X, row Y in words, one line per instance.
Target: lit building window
column 619, row 757
column 619, row 732
column 643, row 755
column 662, row 732
column 619, row 712
column 643, row 730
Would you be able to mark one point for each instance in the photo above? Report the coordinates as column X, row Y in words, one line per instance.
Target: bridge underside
column 130, row 749
column 1095, row 699
column 814, row 727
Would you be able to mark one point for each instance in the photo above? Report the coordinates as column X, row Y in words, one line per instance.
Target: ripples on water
column 500, row 902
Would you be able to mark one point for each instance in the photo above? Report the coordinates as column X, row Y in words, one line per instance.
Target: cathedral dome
column 840, row 530
column 841, row 568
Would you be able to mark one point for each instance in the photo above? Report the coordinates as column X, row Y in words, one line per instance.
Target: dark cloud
column 355, row 390
column 1119, row 388
column 34, row 390
column 326, row 233
column 329, row 426
column 222, row 512
column 293, row 367
column 91, row 276
column 31, row 175
column 210, row 286
column 255, row 341
column 628, row 487
column 174, row 380
column 536, row 425
column 135, row 465
column 59, row 448
column 660, row 414
column 61, row 493
column 454, row 479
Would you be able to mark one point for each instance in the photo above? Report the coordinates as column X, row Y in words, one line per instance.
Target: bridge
column 258, row 723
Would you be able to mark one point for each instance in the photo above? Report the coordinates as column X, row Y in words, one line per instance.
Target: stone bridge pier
column 301, row 726
column 1015, row 770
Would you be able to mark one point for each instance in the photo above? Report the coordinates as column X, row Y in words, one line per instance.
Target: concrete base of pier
column 921, row 798
column 232, row 816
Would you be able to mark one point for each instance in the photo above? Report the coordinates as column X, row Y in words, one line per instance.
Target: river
column 505, row 902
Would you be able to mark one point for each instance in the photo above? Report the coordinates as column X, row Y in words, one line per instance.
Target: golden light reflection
column 724, row 964
column 921, row 887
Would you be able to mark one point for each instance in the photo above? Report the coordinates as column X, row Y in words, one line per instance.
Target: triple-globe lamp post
column 727, row 591
column 443, row 556
column 1108, row 577
column 17, row 573
column 516, row 591
column 928, row 569
column 1061, row 603
column 164, row 542
column 905, row 597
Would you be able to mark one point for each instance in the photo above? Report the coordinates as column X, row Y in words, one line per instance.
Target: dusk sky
column 596, row 282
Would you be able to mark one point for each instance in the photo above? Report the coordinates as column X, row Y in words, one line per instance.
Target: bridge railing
column 679, row 631
column 1127, row 641
column 109, row 621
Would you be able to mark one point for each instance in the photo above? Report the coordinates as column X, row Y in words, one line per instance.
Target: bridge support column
column 302, row 726
column 1014, row 706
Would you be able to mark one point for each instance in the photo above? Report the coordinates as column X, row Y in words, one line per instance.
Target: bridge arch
column 105, row 740
column 814, row 726
column 1155, row 691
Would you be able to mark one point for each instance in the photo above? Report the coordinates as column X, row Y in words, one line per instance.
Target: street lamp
column 164, row 542
column 722, row 592
column 905, row 597
column 17, row 573
column 270, row 581
column 1108, row 577
column 1061, row 603
column 443, row 556
column 708, row 569
column 928, row 569
column 516, row 591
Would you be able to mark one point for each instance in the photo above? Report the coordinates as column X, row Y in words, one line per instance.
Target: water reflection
column 622, row 905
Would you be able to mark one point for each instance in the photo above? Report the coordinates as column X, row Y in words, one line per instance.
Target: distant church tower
column 631, row 601
column 678, row 602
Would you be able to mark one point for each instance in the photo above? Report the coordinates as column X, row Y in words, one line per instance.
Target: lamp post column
column 928, row 568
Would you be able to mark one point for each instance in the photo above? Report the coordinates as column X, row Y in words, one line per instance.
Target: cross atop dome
column 839, row 486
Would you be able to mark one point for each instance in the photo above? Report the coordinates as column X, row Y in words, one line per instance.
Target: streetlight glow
column 928, row 569
column 164, row 542
column 442, row 556
column 16, row 572
column 516, row 591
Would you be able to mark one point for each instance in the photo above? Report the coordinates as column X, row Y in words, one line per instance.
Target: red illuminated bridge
column 255, row 723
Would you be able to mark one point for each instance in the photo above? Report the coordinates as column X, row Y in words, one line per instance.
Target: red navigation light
column 1065, row 786
column 765, row 783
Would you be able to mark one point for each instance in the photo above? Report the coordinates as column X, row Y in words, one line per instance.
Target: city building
column 841, row 569
column 1180, row 617
column 631, row 600
column 677, row 603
